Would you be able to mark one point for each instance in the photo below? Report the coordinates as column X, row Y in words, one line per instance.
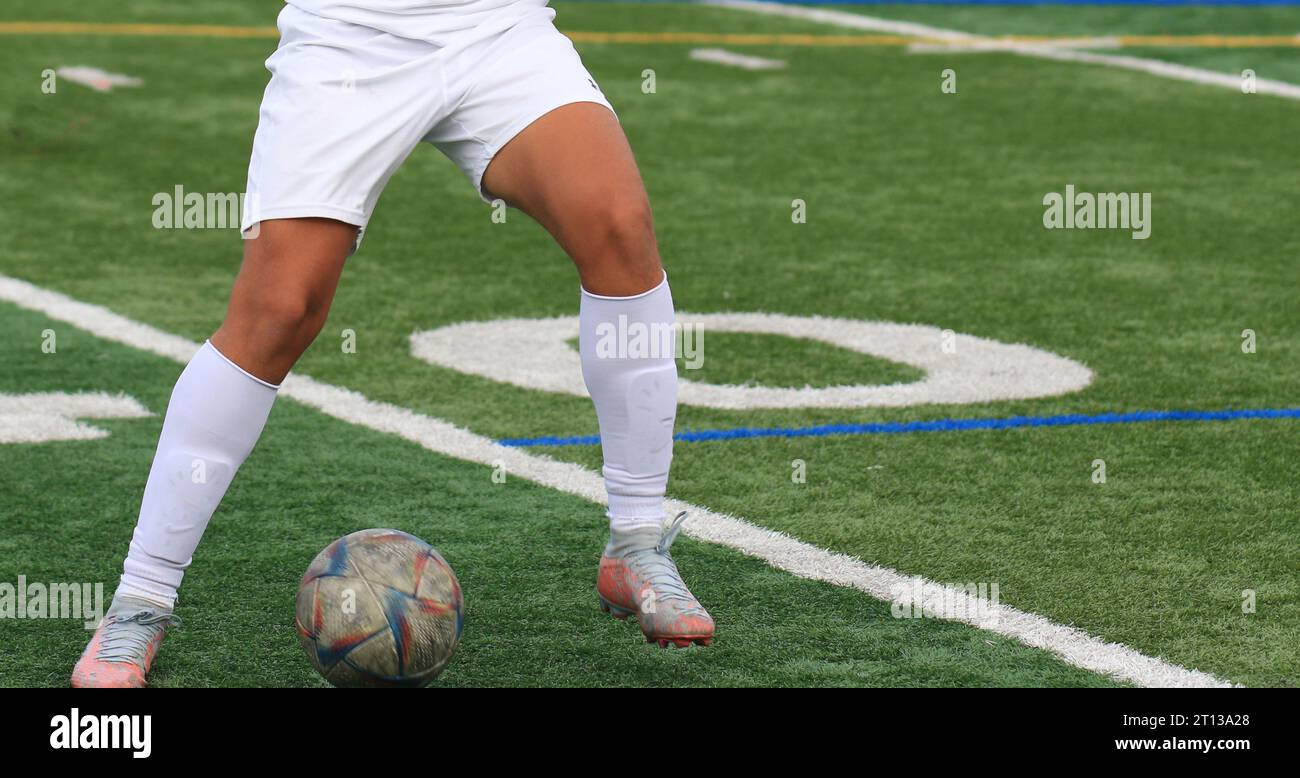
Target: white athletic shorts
column 346, row 104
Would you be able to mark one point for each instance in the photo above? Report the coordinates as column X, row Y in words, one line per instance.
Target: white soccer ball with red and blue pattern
column 379, row 607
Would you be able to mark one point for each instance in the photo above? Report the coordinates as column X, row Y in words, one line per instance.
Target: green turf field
column 922, row 207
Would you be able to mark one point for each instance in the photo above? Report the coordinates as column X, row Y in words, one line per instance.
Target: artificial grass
column 525, row 555
column 922, row 207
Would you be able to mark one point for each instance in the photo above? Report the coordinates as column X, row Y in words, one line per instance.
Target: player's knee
column 297, row 317
column 287, row 321
column 624, row 225
column 624, row 244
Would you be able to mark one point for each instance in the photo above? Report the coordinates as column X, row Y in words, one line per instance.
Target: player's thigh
column 573, row 171
column 574, row 155
column 293, row 262
column 536, row 131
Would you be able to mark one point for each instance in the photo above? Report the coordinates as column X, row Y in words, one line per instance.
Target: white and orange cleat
column 638, row 577
column 122, row 649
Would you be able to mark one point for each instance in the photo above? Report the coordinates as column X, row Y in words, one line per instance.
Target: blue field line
column 937, row 425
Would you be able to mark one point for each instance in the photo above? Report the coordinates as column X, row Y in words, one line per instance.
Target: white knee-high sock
column 627, row 346
column 214, row 419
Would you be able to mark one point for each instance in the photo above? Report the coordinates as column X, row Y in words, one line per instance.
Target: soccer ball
column 379, row 608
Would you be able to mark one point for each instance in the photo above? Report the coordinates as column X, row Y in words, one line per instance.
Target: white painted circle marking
column 534, row 354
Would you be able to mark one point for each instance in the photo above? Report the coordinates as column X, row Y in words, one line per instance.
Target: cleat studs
column 679, row 642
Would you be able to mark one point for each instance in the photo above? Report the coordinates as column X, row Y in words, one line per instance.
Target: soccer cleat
column 122, row 649
column 644, row 583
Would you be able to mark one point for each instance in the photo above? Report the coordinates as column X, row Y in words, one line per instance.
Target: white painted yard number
column 959, row 369
column 47, row 416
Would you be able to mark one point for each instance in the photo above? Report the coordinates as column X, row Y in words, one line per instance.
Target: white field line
column 1151, row 66
column 777, row 549
column 1155, row 67
column 845, row 19
column 732, row 59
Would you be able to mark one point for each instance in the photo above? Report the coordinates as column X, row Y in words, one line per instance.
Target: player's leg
column 345, row 105
column 216, row 414
column 222, row 399
column 573, row 171
column 283, row 293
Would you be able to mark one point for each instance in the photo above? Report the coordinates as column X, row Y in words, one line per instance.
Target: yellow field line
column 1212, row 41
column 151, row 30
column 730, row 39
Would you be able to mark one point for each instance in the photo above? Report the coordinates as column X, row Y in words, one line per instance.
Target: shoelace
column 656, row 566
column 126, row 638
